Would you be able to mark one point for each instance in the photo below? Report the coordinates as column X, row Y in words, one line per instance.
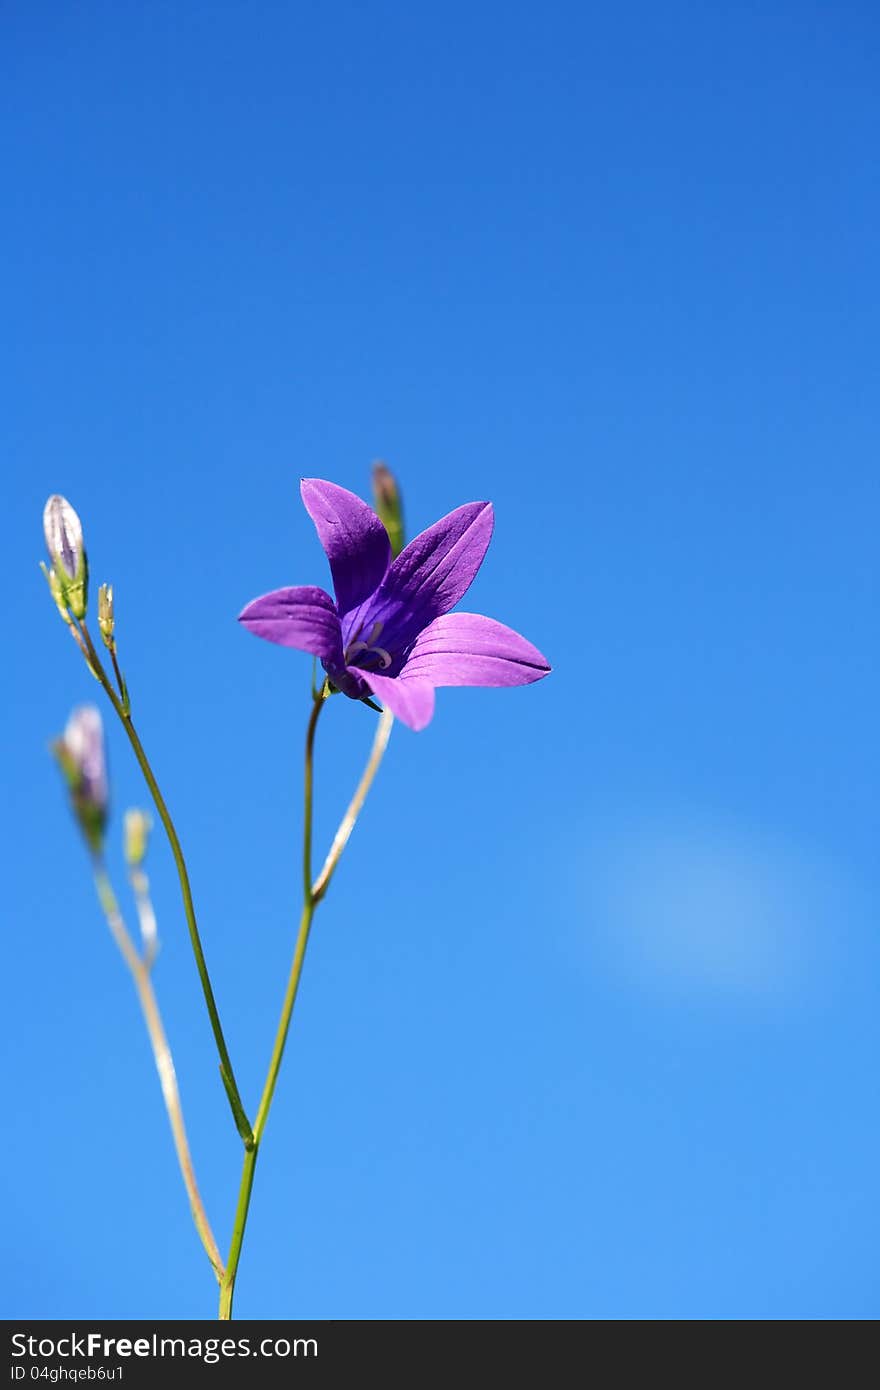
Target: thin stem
column 120, row 680
column 299, row 956
column 227, row 1287
column 140, row 887
column 312, row 895
column 140, row 973
column 347, row 824
column 308, row 795
column 226, row 1072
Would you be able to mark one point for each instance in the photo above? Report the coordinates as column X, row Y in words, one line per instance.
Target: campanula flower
column 390, row 632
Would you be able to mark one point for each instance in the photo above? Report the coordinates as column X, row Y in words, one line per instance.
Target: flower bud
column 56, row 591
column 105, row 613
column 136, row 827
column 389, row 506
column 80, row 755
column 64, row 541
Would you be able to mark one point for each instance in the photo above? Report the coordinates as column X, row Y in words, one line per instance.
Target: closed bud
column 105, row 613
column 389, row 506
column 136, row 826
column 56, row 591
column 80, row 755
column 64, row 542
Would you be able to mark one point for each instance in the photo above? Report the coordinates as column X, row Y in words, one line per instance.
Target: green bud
column 64, row 542
column 105, row 613
column 136, row 827
column 55, row 590
column 389, row 505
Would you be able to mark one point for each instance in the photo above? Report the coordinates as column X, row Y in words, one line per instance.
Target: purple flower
column 390, row 632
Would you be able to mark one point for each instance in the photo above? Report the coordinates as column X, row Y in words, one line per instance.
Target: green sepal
column 75, row 591
column 51, row 579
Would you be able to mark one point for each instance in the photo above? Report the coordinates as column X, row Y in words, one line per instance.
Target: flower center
column 357, row 650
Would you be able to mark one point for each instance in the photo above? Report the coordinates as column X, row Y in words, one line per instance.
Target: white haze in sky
column 715, row 910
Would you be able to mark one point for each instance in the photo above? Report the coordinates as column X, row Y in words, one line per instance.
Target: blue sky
column 589, row 1023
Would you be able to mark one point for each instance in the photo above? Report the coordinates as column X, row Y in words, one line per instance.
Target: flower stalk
column 313, row 892
column 347, row 824
column 139, row 968
column 124, row 715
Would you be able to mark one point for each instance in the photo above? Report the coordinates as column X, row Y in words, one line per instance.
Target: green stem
column 227, row 1284
column 120, row 681
column 226, row 1072
column 227, row 1287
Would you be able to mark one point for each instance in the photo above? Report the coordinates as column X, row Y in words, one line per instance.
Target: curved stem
column 347, row 824
column 226, row 1072
column 140, row 973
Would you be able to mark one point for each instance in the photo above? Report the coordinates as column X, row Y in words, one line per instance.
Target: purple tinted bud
column 64, row 536
column 84, row 740
column 64, row 541
column 80, row 753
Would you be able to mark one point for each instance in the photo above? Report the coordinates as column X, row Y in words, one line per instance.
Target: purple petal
column 64, row 535
column 409, row 700
column 427, row 578
column 439, row 565
column 468, row 649
column 304, row 618
column 354, row 539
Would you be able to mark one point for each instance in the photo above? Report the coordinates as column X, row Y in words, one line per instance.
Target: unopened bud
column 105, row 613
column 56, row 592
column 64, row 541
column 136, row 827
column 80, row 755
column 389, row 506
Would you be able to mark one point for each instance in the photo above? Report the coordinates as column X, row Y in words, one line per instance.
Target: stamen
column 354, row 648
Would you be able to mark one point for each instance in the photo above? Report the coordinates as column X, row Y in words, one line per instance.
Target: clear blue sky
column 589, row 1025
